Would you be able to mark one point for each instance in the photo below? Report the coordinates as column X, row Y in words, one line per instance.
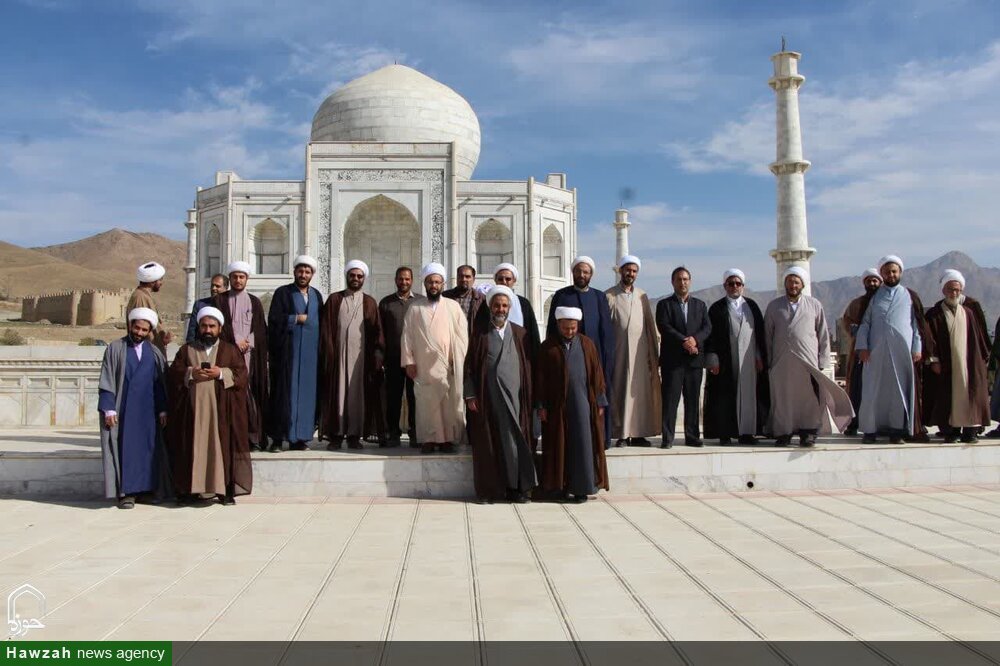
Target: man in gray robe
column 889, row 343
column 636, row 410
column 133, row 405
column 736, row 393
column 803, row 397
column 498, row 398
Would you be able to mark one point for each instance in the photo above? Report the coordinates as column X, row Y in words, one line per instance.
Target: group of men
column 467, row 365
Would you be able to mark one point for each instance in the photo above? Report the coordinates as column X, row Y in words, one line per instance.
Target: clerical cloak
column 294, row 363
column 636, row 408
column 257, row 382
column 498, row 376
column 372, row 352
column 959, row 396
column 570, row 386
column 207, row 426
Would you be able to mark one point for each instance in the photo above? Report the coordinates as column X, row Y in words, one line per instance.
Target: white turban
column 563, row 312
column 239, row 267
column 214, row 313
column 305, row 260
column 628, row 259
column 500, row 290
column 150, row 272
column 356, row 263
column 144, row 314
column 584, row 259
column 734, row 272
column 506, row 267
column 802, row 273
column 433, row 268
column 871, row 272
column 890, row 259
column 950, row 275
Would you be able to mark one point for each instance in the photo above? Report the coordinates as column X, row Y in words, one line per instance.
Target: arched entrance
column 385, row 235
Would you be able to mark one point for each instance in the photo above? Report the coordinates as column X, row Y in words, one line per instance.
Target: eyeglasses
column 733, row 283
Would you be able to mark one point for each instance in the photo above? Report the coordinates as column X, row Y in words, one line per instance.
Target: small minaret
column 621, row 236
column 789, row 168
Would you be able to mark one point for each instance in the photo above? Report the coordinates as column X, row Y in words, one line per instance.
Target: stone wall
column 76, row 308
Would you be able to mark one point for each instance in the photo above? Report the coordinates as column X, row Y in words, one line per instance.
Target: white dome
column 399, row 104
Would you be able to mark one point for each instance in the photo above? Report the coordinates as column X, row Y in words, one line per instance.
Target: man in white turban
column 803, row 398
column 133, row 405
column 150, row 278
column 737, row 398
column 351, row 353
column 521, row 311
column 498, row 399
column 636, row 408
column 435, row 341
column 246, row 328
column 293, row 342
column 571, row 397
column 871, row 280
column 208, row 446
column 595, row 324
column 956, row 391
column 891, row 344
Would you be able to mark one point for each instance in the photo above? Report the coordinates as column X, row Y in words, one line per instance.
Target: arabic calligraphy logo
column 22, row 596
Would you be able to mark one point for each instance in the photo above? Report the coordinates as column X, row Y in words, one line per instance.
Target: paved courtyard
column 920, row 563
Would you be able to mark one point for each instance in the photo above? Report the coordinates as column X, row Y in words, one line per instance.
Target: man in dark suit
column 684, row 327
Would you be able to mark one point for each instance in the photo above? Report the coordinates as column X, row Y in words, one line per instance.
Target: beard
column 208, row 339
column 891, row 281
column 433, row 298
column 581, row 282
column 871, row 290
column 499, row 320
column 136, row 340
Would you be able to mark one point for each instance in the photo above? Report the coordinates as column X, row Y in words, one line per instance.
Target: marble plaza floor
column 873, row 565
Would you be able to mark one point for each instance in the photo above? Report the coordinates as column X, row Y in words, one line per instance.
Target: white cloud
column 906, row 163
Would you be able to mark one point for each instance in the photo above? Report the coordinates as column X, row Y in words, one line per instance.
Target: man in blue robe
column 293, row 342
column 218, row 285
column 596, row 322
column 133, row 405
column 889, row 344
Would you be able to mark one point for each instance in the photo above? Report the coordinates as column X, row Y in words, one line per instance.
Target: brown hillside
column 115, row 254
column 25, row 272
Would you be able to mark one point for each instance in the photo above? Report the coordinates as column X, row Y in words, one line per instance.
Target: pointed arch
column 384, row 234
column 494, row 245
column 213, row 251
column 552, row 251
column 269, row 248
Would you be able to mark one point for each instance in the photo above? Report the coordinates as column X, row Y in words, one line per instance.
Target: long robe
column 636, row 408
column 529, row 323
column 294, row 363
column 142, row 297
column 596, row 325
column 248, row 324
column 803, row 398
column 340, row 385
column 498, row 376
column 569, row 385
column 995, row 363
column 207, row 429
column 133, row 451
column 890, row 331
column 959, row 396
column 436, row 339
column 737, row 400
column 854, row 374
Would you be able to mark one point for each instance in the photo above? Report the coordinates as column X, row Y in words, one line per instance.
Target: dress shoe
column 227, row 500
column 335, row 445
column 783, row 440
column 919, row 438
column 747, row 440
column 950, row 439
column 693, row 442
column 254, row 448
column 447, row 447
column 869, row 439
column 427, row 448
column 297, row 446
column 639, row 441
column 275, row 446
column 969, row 438
column 666, row 445
column 725, row 441
column 851, row 432
column 993, row 434
column 622, row 443
column 354, row 443
column 127, row 502
column 895, row 438
column 807, row 440
column 392, row 442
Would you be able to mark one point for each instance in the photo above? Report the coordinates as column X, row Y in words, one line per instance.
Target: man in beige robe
column 351, row 352
column 435, row 340
column 150, row 277
column 636, row 411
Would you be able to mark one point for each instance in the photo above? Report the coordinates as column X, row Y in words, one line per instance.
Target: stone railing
column 49, row 385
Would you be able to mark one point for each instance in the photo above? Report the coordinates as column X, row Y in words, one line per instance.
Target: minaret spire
column 792, row 247
column 621, row 235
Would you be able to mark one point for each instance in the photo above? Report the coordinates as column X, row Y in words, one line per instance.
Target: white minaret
column 789, row 167
column 191, row 278
column 621, row 236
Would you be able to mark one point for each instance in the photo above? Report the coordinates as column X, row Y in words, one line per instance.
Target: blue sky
column 112, row 112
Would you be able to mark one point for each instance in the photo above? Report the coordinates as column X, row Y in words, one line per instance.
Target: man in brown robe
column 246, row 327
column 207, row 428
column 571, row 398
column 871, row 281
column 150, row 277
column 636, row 410
column 498, row 399
column 956, row 393
column 351, row 352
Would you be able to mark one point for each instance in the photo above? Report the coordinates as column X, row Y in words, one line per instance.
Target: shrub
column 11, row 338
column 87, row 342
